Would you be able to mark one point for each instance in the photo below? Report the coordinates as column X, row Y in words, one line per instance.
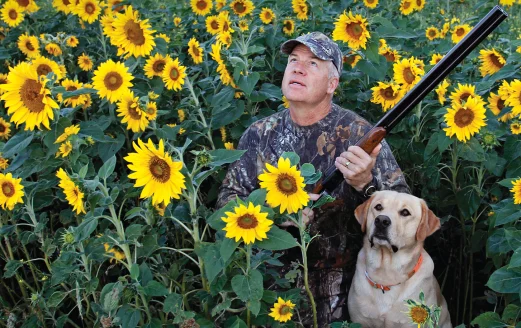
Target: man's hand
column 307, row 214
column 357, row 172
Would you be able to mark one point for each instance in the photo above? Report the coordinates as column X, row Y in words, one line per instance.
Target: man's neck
column 305, row 115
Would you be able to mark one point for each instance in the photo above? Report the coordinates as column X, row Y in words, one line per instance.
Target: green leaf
column 497, row 243
column 155, row 288
column 129, row 316
column 213, row 262
column 370, row 69
column 55, row 299
column 512, row 148
column 11, row 267
column 111, row 297
column 215, row 220
column 173, row 303
column 254, row 306
column 221, row 307
column 277, row 240
column 235, row 322
column 79, row 92
column 472, row 151
column 513, row 237
column 16, row 144
column 224, row 96
column 255, row 49
column 506, row 212
column 488, row 320
column 307, row 170
column 509, row 183
column 133, row 231
column 228, row 246
column 248, row 287
column 257, row 197
column 515, row 260
column 248, row 82
column 294, row 159
column 372, row 50
column 134, row 271
column 108, row 149
column 505, row 280
column 468, row 200
column 511, row 313
column 107, row 168
column 221, row 118
column 83, row 171
column 224, row 156
column 84, row 230
column 389, row 32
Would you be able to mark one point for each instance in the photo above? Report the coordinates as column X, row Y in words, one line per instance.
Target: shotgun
column 333, row 177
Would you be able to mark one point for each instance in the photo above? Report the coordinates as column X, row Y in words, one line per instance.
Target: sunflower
column 441, row 90
column 29, row 45
column 201, row 7
column 216, row 53
column 4, row 163
column 351, row 60
column 514, row 100
column 267, row 15
column 285, row 102
column 115, row 254
column 229, row 145
column 505, row 90
column 282, row 310
column 225, row 75
column 288, row 26
column 154, row 169
column 5, row 129
column 300, row 8
column 132, row 35
column 62, row 5
column 195, row 51
column 53, row 49
column 65, row 149
column 160, row 208
column 247, row 223
column 73, row 85
column 432, row 33
column 115, row 5
column 12, row 13
column 285, row 186
column 3, row 80
column 371, row 3
column 164, row 37
column 407, row 7
column 72, row 192
column 174, row 75
column 462, row 92
column 418, row 313
column 243, row 25
column 387, row 95
column 444, row 30
column 111, row 79
column 29, row 6
column 516, row 190
column 351, row 29
column 177, row 21
column 44, row 66
column 106, row 22
column 459, row 32
column 390, row 55
column 507, row 2
column 465, row 120
column 495, row 103
column 151, row 110
column 242, row 7
column 131, row 113
column 224, row 22
column 436, row 58
column 27, row 99
column 85, row 62
column 155, row 65
column 419, row 4
column 225, row 38
column 491, row 61
column 11, row 191
column 69, row 131
column 515, row 128
column 407, row 73
column 181, row 115
column 219, row 4
column 87, row 10
column 212, row 24
column 72, row 41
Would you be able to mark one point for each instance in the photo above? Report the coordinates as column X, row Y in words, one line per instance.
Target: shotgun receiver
column 333, row 177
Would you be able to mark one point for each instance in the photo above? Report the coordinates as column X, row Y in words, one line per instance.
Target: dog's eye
column 405, row 212
column 378, row 207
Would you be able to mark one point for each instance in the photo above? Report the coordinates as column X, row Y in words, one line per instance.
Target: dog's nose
column 382, row 222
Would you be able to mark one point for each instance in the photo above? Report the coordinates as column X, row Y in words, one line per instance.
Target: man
column 323, row 134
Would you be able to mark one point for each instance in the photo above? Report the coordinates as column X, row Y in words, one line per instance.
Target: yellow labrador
column 392, row 265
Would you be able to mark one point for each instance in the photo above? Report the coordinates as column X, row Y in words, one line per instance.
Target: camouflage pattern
column 332, row 256
column 320, row 45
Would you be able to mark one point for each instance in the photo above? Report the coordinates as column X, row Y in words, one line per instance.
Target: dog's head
column 396, row 220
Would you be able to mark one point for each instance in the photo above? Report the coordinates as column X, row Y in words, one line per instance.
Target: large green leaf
column 277, row 240
column 107, row 168
column 155, row 288
column 215, row 220
column 84, row 230
column 389, row 32
column 224, row 156
column 505, row 280
column 129, row 316
column 497, row 243
column 371, row 69
column 248, row 82
column 213, row 262
column 489, row 320
column 248, row 287
column 16, row 144
column 227, row 247
column 507, row 212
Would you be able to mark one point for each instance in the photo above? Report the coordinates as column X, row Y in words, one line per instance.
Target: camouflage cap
column 322, row 46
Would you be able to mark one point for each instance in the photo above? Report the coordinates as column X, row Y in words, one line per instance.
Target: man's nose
column 297, row 68
column 382, row 222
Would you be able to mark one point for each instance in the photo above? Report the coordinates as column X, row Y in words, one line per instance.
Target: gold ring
column 346, row 164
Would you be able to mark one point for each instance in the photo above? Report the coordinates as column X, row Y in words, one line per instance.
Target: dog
column 392, row 265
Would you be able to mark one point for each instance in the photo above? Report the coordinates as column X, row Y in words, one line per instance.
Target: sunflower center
column 23, row 3
column 388, row 93
column 515, row 126
column 267, row 15
column 349, row 59
column 463, row 117
column 13, row 14
column 432, row 33
column 500, row 104
column 419, row 3
column 134, row 33
column 226, row 26
column 151, row 110
column 370, row 1
column 418, row 314
column 408, row 75
column 90, row 8
column 174, row 74
column 495, row 60
column 2, row 128
column 247, row 221
column 8, row 189
column 284, row 309
column 66, row 2
column 158, row 66
column 201, row 4
column 160, row 169
column 460, row 31
column 389, row 56
column 75, row 191
column 31, row 96
column 116, row 6
column 464, row 96
column 286, row 184
column 29, row 46
column 133, row 111
column 113, row 81
column 354, row 30
column 239, row 8
column 288, row 26
column 214, row 24
column 72, row 88
column 406, row 5
column 195, row 51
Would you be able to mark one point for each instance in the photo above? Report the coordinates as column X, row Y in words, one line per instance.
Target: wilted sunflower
column 174, row 75
column 491, row 61
column 432, row 33
column 285, row 186
column 419, row 4
column 69, row 131
column 407, row 7
column 72, row 192
column 459, row 32
column 267, row 15
column 407, row 73
column 351, row 29
column 495, row 103
column 72, row 41
column 242, row 8
column 436, row 58
column 131, row 112
column 288, row 27
column 282, row 311
column 371, row 3
column 29, row 45
column 243, row 25
column 155, row 65
column 27, row 99
column 87, row 10
column 465, row 120
column 387, row 95
column 462, row 92
column 154, row 169
column 12, row 13
column 73, row 85
column 65, row 149
column 516, row 190
column 514, row 99
column 111, row 80
column 300, row 8
column 247, row 223
column 44, row 66
column 132, row 35
column 515, row 128
column 195, row 51
column 201, row 7
column 11, row 191
column 53, row 49
column 62, row 5
column 5, row 129
column 151, row 110
column 441, row 90
column 85, row 62
column 212, row 24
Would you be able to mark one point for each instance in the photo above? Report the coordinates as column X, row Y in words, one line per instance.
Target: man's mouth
column 297, row 83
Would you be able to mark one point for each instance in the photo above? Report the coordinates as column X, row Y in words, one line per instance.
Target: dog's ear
column 429, row 223
column 361, row 212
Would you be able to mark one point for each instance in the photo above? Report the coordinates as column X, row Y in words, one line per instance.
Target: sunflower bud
column 203, row 158
column 489, row 140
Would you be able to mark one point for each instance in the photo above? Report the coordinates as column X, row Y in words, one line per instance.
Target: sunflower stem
column 303, row 248
column 248, row 267
column 190, row 87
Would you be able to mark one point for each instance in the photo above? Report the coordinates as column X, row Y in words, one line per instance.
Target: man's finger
column 314, row 196
column 376, row 151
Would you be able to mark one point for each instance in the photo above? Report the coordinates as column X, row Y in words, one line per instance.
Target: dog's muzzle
column 382, row 222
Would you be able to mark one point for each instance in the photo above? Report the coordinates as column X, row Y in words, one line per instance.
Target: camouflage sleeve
column 241, row 178
column 388, row 174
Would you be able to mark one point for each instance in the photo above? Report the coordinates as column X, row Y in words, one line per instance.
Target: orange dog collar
column 386, row 288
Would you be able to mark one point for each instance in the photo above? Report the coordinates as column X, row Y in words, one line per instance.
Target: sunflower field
column 118, row 120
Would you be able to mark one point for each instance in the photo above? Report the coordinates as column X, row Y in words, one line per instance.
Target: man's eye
column 405, row 212
column 378, row 207
column 313, row 63
column 292, row 60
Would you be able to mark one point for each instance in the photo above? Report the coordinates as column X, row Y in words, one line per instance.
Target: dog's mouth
column 380, row 239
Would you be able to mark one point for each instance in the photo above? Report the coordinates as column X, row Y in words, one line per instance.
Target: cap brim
column 288, row 46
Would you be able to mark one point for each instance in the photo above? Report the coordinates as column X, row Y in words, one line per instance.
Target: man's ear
column 332, row 84
column 361, row 212
column 429, row 223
